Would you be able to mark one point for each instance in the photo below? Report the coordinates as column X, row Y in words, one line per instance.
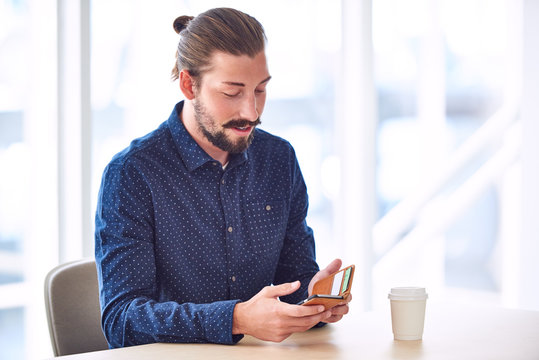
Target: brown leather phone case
column 325, row 285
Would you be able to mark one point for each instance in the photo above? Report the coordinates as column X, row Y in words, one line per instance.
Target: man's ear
column 187, row 85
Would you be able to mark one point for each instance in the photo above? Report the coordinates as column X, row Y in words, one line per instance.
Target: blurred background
column 414, row 123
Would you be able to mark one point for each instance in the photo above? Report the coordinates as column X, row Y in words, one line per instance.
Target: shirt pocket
column 265, row 223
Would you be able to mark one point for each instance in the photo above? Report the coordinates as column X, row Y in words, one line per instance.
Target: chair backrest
column 72, row 305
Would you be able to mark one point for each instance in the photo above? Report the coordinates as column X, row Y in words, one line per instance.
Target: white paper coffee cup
column 408, row 312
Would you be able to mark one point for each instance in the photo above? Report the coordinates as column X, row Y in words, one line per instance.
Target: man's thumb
column 334, row 266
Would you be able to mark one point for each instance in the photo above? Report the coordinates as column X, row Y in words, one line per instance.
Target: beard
column 209, row 128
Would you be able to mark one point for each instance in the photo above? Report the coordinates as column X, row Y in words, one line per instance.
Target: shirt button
column 268, row 207
column 230, row 229
column 233, row 278
column 223, row 181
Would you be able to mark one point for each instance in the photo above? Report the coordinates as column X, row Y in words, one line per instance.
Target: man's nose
column 248, row 109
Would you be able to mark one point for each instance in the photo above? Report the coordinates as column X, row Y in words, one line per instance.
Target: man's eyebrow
column 233, row 83
column 265, row 80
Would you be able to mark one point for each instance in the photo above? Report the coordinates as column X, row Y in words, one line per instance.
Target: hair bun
column 181, row 23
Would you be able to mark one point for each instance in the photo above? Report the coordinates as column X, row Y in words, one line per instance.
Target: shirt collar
column 191, row 153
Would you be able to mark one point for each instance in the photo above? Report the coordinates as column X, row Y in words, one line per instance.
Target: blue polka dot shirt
column 179, row 240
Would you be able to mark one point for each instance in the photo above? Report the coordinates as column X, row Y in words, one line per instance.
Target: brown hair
column 221, row 29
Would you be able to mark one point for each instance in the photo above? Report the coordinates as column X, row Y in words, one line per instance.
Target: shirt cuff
column 218, row 325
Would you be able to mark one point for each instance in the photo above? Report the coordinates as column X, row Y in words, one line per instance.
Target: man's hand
column 340, row 310
column 267, row 318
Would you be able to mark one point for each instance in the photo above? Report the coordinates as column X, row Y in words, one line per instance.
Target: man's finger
column 333, row 319
column 302, row 311
column 307, row 322
column 281, row 290
column 340, row 310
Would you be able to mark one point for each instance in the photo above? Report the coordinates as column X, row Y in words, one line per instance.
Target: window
column 442, row 72
column 28, row 200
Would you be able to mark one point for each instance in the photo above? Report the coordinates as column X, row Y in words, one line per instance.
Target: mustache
column 242, row 123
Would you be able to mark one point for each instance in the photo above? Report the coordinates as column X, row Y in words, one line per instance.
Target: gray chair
column 72, row 305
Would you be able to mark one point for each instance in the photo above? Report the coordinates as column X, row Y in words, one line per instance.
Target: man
column 200, row 226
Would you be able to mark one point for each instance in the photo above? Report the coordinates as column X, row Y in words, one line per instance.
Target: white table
column 451, row 332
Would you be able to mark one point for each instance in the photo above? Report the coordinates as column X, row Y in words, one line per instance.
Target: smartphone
column 331, row 290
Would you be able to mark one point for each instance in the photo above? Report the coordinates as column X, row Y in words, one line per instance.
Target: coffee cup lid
column 408, row 293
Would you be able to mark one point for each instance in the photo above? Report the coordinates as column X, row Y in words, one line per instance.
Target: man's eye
column 260, row 91
column 230, row 95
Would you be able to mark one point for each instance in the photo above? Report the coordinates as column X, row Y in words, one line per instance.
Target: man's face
column 230, row 98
